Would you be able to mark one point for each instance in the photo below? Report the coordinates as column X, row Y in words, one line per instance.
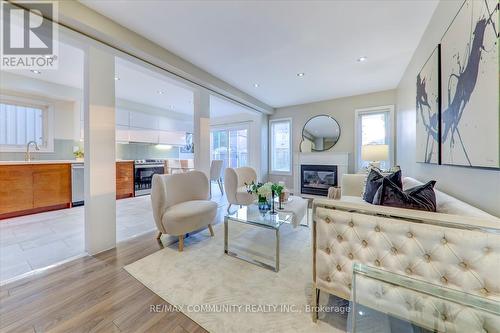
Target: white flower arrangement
column 265, row 190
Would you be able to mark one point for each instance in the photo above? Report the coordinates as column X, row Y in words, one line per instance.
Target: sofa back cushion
column 352, row 185
column 447, row 204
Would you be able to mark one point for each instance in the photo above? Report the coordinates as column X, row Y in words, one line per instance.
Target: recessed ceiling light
column 300, row 74
column 34, row 71
column 256, row 85
column 160, row 92
column 361, row 59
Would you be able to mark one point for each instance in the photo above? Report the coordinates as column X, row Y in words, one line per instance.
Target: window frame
column 48, row 123
column 271, row 143
column 357, row 132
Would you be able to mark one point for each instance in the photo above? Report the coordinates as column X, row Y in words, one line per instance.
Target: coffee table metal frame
column 276, row 228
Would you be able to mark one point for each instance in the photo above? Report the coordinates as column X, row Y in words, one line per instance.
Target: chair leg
column 315, row 312
column 219, row 181
column 181, row 243
column 211, row 230
column 158, row 237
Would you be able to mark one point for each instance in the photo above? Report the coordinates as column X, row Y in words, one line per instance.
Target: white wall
column 257, row 138
column 66, row 100
column 479, row 187
column 342, row 109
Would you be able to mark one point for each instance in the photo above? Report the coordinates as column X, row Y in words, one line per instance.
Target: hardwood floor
column 90, row 294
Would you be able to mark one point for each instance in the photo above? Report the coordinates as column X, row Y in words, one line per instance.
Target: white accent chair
column 181, row 205
column 216, row 175
column 234, row 184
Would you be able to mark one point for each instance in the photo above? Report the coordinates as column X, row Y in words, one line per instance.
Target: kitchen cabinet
column 143, row 135
column 122, row 133
column 122, row 117
column 33, row 188
column 16, row 189
column 172, row 138
column 124, row 179
column 51, row 185
column 168, row 124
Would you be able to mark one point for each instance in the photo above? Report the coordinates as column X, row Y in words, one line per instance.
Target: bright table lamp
column 375, row 153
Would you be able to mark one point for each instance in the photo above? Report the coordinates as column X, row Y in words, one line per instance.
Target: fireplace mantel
column 341, row 160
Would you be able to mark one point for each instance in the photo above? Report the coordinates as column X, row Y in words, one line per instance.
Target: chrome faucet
column 27, row 157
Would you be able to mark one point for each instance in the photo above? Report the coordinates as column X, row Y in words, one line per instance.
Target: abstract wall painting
column 470, row 110
column 428, row 110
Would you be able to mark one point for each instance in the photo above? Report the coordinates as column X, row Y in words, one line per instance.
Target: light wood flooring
column 90, row 294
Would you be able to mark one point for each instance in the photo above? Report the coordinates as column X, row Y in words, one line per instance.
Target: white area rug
column 204, row 275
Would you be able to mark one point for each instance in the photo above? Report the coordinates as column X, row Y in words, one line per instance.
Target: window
column 374, row 126
column 22, row 121
column 281, row 143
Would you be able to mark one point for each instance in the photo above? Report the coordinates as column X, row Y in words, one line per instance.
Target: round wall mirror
column 320, row 133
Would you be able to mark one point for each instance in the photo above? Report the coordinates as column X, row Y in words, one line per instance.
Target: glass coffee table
column 252, row 216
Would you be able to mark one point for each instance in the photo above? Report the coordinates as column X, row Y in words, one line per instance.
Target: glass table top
column 387, row 302
column 252, row 215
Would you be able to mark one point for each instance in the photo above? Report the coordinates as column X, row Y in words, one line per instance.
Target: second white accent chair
column 216, row 174
column 181, row 205
column 234, row 184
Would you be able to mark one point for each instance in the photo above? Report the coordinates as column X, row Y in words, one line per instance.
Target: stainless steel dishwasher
column 77, row 187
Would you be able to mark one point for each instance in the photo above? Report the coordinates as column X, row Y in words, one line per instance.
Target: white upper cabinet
column 122, row 117
column 143, row 135
column 166, row 124
column 172, row 138
column 135, row 126
column 143, row 120
column 122, row 133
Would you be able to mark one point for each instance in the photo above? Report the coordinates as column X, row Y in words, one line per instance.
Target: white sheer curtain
column 20, row 124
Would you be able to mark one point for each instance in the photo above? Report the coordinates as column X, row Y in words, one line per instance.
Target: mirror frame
column 308, row 120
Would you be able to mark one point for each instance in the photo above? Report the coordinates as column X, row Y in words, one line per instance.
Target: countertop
column 48, row 162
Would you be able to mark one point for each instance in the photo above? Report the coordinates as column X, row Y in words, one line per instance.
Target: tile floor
column 35, row 241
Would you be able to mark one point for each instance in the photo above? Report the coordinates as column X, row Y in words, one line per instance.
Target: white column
column 100, row 169
column 201, row 133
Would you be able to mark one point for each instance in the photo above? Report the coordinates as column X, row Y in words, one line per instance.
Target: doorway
column 230, row 144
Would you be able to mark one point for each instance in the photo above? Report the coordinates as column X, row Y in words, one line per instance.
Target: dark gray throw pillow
column 420, row 197
column 374, row 180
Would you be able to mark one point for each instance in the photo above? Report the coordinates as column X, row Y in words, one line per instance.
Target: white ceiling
column 135, row 83
column 269, row 42
column 68, row 73
column 141, row 85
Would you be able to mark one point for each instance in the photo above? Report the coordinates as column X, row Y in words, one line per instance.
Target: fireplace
column 317, row 179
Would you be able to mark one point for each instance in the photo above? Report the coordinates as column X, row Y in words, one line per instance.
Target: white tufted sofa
column 460, row 250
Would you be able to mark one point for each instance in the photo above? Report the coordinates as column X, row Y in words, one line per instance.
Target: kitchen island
column 44, row 185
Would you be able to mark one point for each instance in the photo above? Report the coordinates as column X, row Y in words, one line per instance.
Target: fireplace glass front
column 317, row 179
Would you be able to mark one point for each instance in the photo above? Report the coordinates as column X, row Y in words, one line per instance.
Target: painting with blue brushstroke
column 427, row 111
column 470, row 114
